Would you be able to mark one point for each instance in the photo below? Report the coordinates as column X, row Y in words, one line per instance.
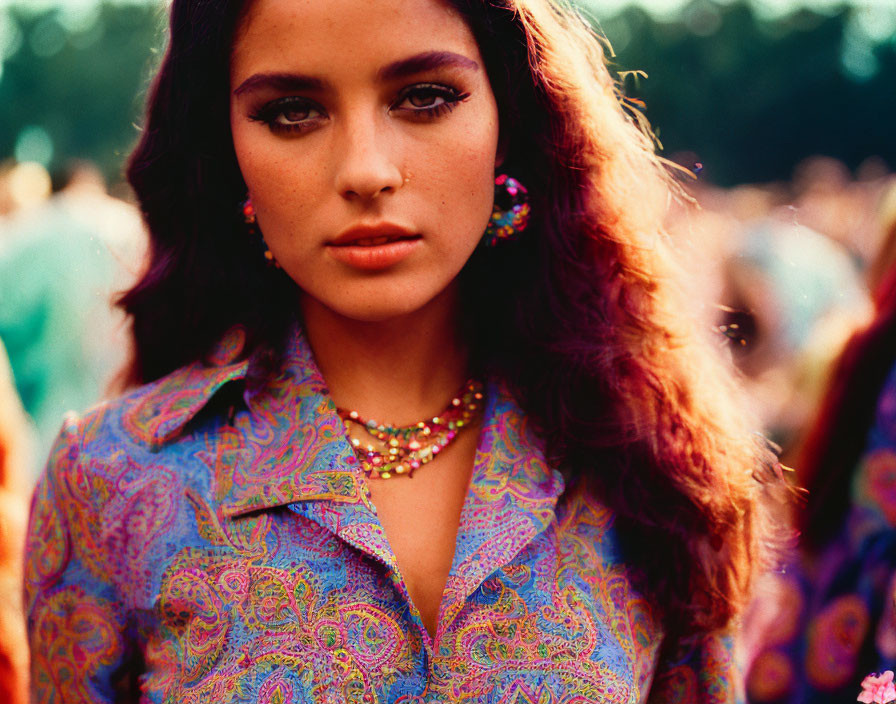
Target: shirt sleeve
column 76, row 623
column 701, row 671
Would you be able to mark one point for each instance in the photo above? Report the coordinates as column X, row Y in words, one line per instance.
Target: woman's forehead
column 322, row 34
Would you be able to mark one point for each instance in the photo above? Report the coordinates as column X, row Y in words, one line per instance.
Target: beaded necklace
column 404, row 449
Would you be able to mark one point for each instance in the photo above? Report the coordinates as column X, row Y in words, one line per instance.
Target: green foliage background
column 752, row 97
column 83, row 83
column 746, row 96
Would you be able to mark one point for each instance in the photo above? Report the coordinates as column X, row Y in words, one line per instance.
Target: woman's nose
column 368, row 165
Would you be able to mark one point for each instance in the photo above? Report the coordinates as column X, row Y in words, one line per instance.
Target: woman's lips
column 373, row 248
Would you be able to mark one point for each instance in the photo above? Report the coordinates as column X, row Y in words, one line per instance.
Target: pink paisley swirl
column 74, row 636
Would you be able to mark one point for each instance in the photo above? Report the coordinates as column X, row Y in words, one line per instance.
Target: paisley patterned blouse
column 210, row 538
column 833, row 618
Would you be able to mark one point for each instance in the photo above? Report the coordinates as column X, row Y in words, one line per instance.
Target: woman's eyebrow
column 279, row 81
column 398, row 69
column 425, row 62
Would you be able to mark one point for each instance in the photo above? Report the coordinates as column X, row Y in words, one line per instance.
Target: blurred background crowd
column 778, row 114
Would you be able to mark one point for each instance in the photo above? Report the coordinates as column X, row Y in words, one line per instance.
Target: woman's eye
column 429, row 100
column 425, row 99
column 289, row 114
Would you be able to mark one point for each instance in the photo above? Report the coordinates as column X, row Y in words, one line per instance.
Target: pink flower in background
column 878, row 689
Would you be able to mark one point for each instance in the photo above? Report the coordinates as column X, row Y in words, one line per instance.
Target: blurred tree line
column 747, row 96
column 72, row 82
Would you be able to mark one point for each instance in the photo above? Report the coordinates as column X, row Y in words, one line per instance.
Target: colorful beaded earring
column 248, row 211
column 511, row 212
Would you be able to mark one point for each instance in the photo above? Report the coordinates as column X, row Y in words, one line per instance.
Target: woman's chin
column 385, row 305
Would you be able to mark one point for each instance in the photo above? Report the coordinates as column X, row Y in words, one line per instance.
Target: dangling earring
column 248, row 211
column 511, row 212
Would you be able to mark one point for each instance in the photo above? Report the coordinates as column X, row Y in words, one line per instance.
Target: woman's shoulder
column 147, row 418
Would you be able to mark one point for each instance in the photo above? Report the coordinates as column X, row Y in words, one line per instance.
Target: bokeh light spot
column 47, row 38
column 34, row 144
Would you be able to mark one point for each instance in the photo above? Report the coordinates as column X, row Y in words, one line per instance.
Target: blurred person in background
column 795, row 296
column 828, row 198
column 828, row 620
column 24, row 188
column 62, row 263
column 14, row 490
column 790, row 296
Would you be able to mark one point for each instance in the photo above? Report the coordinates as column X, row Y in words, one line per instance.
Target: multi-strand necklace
column 392, row 451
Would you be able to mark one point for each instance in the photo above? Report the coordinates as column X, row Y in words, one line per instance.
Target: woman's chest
column 309, row 615
column 420, row 517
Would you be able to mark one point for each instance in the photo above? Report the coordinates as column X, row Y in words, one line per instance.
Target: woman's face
column 367, row 135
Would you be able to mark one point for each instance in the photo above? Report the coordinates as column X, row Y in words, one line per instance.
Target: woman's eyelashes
column 290, row 114
column 419, row 101
column 428, row 100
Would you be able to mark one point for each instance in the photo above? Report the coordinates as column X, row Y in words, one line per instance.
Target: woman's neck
column 397, row 371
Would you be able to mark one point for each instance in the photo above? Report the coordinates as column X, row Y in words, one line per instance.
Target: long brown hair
column 581, row 316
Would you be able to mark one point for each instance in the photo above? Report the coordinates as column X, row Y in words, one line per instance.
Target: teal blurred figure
column 60, row 267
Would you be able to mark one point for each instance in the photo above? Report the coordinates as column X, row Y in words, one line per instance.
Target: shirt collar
column 159, row 411
column 290, row 449
column 291, row 446
column 512, row 498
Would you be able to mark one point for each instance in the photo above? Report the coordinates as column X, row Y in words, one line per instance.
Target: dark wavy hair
column 581, row 317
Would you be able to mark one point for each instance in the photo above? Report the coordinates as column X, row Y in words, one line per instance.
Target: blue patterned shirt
column 210, row 538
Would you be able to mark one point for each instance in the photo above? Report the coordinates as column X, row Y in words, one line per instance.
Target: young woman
column 389, row 443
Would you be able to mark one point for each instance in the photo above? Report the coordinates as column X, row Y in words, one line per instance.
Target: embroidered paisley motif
column 236, row 557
